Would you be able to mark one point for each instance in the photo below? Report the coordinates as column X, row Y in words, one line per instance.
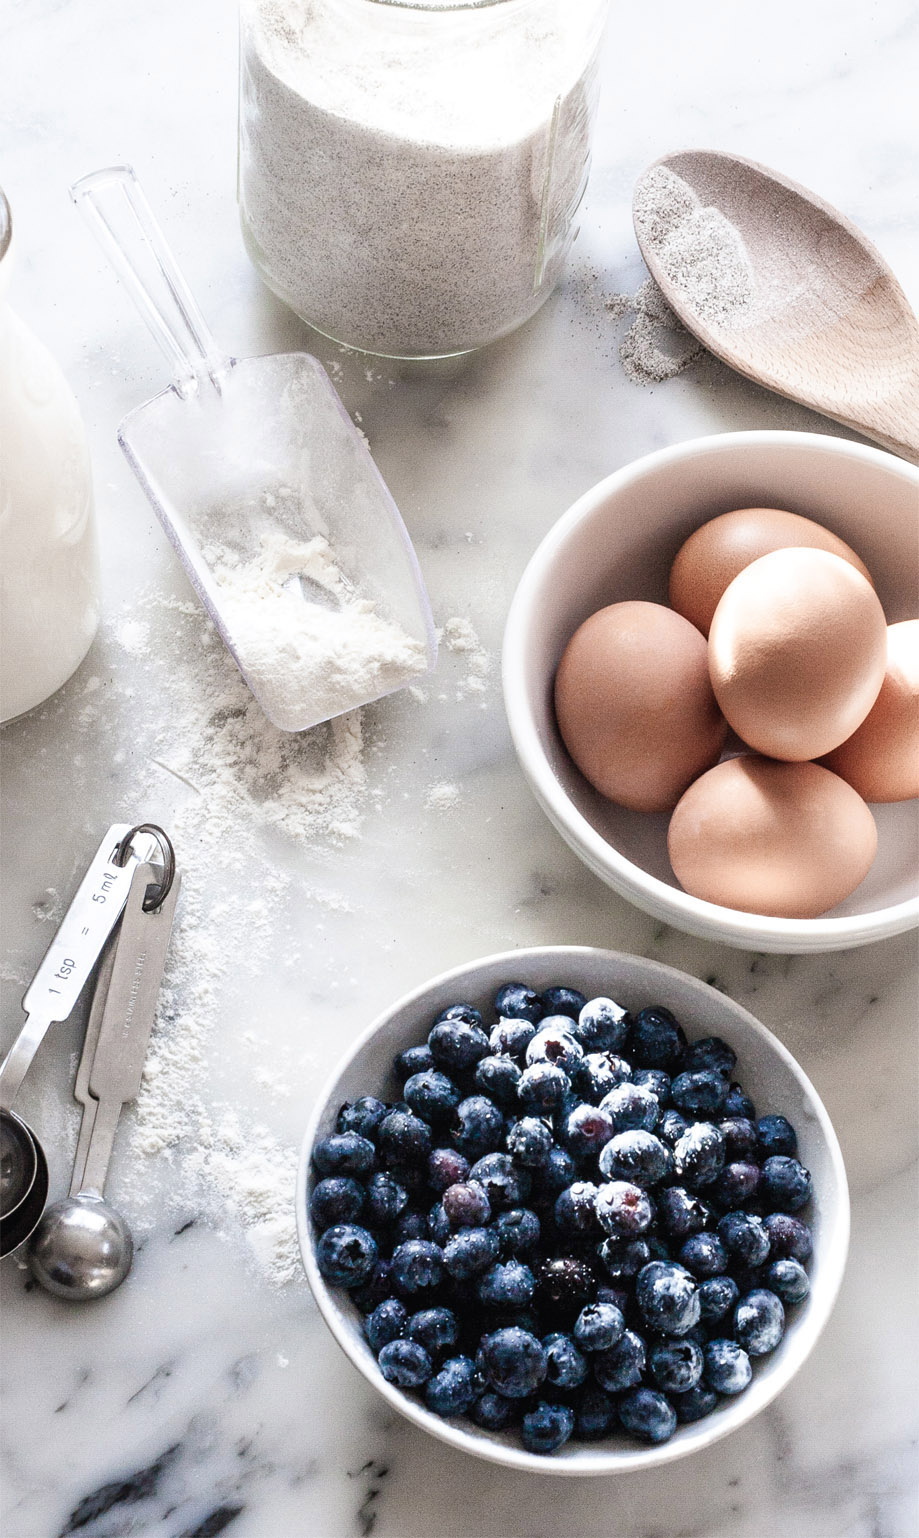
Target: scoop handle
column 115, row 207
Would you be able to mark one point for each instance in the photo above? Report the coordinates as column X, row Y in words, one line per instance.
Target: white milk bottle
column 49, row 583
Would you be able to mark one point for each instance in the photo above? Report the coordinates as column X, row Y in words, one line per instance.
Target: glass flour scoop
column 268, row 493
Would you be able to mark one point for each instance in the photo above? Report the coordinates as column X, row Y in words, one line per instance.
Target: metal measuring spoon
column 82, row 1248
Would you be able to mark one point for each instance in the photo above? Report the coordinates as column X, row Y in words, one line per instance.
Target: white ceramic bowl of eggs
column 617, row 545
column 767, row 1072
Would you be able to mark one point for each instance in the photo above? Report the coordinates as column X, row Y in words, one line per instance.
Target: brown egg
column 635, row 706
column 784, row 840
column 881, row 758
column 712, row 556
column 797, row 652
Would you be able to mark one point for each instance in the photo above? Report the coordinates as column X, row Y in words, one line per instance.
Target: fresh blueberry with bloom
column 759, row 1322
column 740, row 1140
column 466, row 1205
column 518, row 1230
column 785, row 1185
column 362, row 1116
column 506, row 1284
column 456, row 1045
column 410, row 1224
column 648, row 1415
column 446, row 1167
column 417, row 1267
column 439, row 1225
column 337, row 1199
column 542, row 1087
column 788, row 1279
column 655, row 1040
column 602, row 1023
column 405, row 1363
column 599, row 1072
column 699, row 1094
column 506, row 1184
column 727, row 1366
column 547, row 1427
column 530, row 1141
column 346, row 1255
column 514, row 1001
column 671, row 1126
column 477, row 1127
column 431, row 1095
column 745, row 1237
column 576, row 1209
column 386, row 1199
column 623, row 1209
column 466, row 1012
column 709, row 1052
column 788, row 1236
column 587, row 1129
column 776, row 1135
column 656, row 1080
column 636, row 1156
column 510, row 1038
column 737, row 1103
column 514, row 1362
column 623, row 1366
column 554, row 1043
column 492, row 1412
column 594, row 1413
column 344, row 1153
column 699, row 1155
column 414, row 1060
column 566, row 1366
column 558, row 1172
column 434, row 1328
column 453, row 1388
column 676, row 1365
column 681, row 1212
column 704, row 1255
column 631, row 1108
column 717, row 1296
column 498, row 1077
column 624, row 1258
column 667, row 1298
column 695, row 1403
column 598, row 1327
column 387, row 1322
column 404, row 1138
column 736, row 1185
column 563, row 1001
column 470, row 1251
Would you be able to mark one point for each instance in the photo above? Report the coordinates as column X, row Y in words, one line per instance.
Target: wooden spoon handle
column 894, row 422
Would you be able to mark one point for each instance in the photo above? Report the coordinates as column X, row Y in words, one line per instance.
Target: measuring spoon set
column 117, row 925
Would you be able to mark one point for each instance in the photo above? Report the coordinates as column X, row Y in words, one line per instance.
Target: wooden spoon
column 788, row 292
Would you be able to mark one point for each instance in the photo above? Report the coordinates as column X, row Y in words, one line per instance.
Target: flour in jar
column 409, row 175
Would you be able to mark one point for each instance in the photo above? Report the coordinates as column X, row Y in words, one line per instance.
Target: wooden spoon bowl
column 821, row 317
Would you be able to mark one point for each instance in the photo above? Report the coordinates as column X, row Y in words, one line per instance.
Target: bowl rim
column 692, row 914
column 703, row 1434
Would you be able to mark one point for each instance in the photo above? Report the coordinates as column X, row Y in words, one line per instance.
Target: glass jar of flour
column 49, row 585
column 410, row 170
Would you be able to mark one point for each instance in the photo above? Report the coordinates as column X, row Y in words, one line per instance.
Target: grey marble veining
column 200, row 1398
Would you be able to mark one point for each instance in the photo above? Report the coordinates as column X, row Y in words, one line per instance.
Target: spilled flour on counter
column 656, row 346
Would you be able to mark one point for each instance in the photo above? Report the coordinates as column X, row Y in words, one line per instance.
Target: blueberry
column 656, row 1040
column 404, row 1137
column 624, row 1210
column 431, row 1095
column 452, row 1390
column 598, row 1327
column 776, row 1135
column 435, row 1329
column 717, row 1296
column 681, row 1212
column 386, row 1199
column 375, row 1289
column 636, row 1156
column 788, row 1280
column 566, row 1367
column 785, row 1185
column 602, row 1023
column 492, row 1412
column 507, row 1284
column 744, row 1237
column 740, row 1142
column 410, row 1224
column 506, row 1184
column 346, row 1255
column 465, row 1012
column 518, row 1230
column 456, row 1045
column 478, row 1126
column 566, row 1283
column 699, row 1154
column 563, row 1001
column 405, row 1363
column 542, row 1088
column 557, row 1173
column 737, row 1103
column 700, row 1094
column 446, row 1167
column 695, row 1403
column 554, row 1043
column 386, row 1323
column 344, row 1153
column 667, row 1298
column 413, row 1060
column 498, row 1077
column 788, row 1236
column 656, row 1080
column 671, row 1126
column 736, row 1184
column 676, row 1365
column 466, row 1205
column 759, row 1322
column 727, row 1366
column 647, row 1415
column 623, row 1366
column 470, row 1251
column 514, row 1362
column 594, row 1414
column 547, row 1427
column 587, row 1129
column 631, row 1108
column 529, row 1141
column 576, row 1209
column 337, row 1199
column 439, row 1226
column 510, row 1038
column 624, row 1258
column 417, row 1266
column 704, row 1255
column 599, row 1072
column 517, row 1002
column 709, row 1052
column 362, row 1116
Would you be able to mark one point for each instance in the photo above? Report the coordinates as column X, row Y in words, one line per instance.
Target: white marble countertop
column 207, row 1395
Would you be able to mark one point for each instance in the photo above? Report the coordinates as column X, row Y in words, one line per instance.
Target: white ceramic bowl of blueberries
column 618, row 542
column 594, row 1218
